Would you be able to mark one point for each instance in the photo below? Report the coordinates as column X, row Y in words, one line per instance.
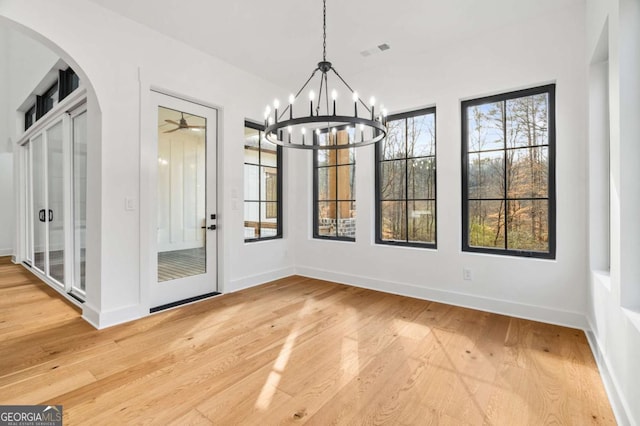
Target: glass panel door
column 182, row 166
column 39, row 203
column 79, row 135
column 185, row 217
column 55, row 201
column 28, row 208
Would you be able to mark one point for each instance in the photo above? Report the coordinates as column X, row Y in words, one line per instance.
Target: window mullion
column 506, row 208
column 406, row 179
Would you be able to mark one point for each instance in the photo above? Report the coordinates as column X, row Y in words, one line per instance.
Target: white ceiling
column 281, row 40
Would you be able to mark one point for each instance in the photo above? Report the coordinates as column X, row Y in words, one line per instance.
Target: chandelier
column 293, row 128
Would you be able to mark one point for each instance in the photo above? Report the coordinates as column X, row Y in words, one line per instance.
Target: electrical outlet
column 466, row 274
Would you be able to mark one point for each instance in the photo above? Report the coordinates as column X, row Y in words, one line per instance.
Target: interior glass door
column 54, row 211
column 186, row 202
column 38, row 203
column 28, row 223
column 79, row 160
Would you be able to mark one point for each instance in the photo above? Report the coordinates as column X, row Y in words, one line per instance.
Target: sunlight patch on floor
column 269, row 388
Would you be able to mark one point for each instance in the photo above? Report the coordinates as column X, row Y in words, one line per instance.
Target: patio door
column 55, row 187
column 185, row 204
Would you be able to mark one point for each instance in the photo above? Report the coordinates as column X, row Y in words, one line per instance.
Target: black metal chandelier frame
column 279, row 131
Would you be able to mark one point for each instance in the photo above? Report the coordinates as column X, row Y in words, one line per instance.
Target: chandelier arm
column 349, row 87
column 298, row 94
column 320, row 94
column 326, row 96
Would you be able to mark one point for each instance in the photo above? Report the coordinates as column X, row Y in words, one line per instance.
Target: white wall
column 523, row 54
column 25, row 62
column 6, row 158
column 614, row 311
column 121, row 66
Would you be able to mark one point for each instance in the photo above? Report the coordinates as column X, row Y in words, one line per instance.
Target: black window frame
column 550, row 90
column 30, row 117
column 41, row 100
column 378, row 199
column 316, row 217
column 68, row 82
column 260, row 128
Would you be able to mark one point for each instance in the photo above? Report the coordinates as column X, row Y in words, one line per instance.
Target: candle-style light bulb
column 303, row 132
column 334, row 96
column 372, row 101
column 311, row 96
column 292, row 99
column 276, row 105
column 355, row 103
column 289, row 129
column 361, row 132
column 333, row 130
column 318, row 132
column 270, row 120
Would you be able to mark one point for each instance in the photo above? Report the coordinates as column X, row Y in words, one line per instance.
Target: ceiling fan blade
column 171, row 131
column 172, row 122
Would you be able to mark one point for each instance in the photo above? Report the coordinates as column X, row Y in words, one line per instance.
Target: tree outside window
column 406, row 181
column 509, row 174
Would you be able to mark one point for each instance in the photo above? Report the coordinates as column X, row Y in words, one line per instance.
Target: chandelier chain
column 324, row 30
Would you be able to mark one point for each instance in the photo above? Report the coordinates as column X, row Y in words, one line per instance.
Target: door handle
column 210, row 228
column 50, row 215
column 41, row 215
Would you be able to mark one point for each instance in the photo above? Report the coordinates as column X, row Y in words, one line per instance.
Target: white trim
column 72, row 101
column 53, row 284
column 503, row 307
column 612, row 387
column 6, row 252
column 147, row 182
column 265, row 277
column 106, row 319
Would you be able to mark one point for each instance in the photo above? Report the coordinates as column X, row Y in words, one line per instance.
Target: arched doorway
column 54, row 133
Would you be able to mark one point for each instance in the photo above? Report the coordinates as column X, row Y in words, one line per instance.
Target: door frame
column 148, row 188
column 61, row 113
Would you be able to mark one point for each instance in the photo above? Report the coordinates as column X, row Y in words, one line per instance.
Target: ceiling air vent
column 374, row 50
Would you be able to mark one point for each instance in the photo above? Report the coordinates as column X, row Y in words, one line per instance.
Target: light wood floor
column 292, row 351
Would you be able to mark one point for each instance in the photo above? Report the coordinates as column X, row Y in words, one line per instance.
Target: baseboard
column 611, row 386
column 106, row 319
column 6, row 252
column 503, row 307
column 254, row 280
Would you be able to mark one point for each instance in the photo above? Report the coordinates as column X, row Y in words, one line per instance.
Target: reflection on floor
column 181, row 263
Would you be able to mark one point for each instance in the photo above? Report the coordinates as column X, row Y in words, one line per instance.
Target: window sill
column 415, row 247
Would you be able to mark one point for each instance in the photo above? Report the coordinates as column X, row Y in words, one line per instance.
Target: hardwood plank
column 296, row 350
